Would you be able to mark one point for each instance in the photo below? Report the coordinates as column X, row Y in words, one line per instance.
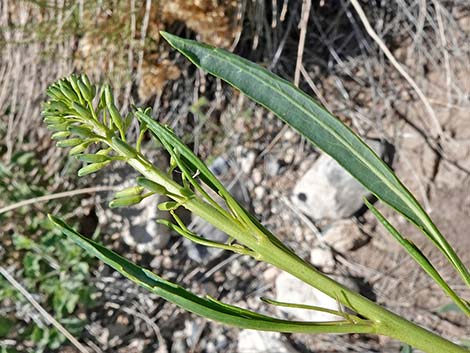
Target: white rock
column 327, row 191
column 250, row 341
column 247, row 161
column 292, row 290
column 344, row 236
column 322, row 258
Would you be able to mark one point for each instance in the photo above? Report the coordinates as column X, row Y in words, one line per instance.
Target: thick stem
column 385, row 322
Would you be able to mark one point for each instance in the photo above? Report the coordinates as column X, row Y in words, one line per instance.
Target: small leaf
column 6, row 325
column 54, row 120
column 85, row 91
column 22, row 242
column 113, row 111
column 406, row 349
column 68, row 91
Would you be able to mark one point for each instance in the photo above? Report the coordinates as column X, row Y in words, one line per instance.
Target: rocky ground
column 300, row 194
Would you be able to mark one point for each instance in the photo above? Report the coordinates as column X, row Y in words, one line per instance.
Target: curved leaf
column 207, row 307
column 321, row 128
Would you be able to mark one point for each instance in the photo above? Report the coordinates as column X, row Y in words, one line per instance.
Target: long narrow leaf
column 321, row 128
column 419, row 257
column 206, row 307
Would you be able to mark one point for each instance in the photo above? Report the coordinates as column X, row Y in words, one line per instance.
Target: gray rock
column 322, row 258
column 292, row 290
column 271, row 165
column 246, row 159
column 344, row 235
column 250, row 341
column 327, row 191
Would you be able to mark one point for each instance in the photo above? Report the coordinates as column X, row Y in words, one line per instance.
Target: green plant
column 81, row 118
column 51, row 268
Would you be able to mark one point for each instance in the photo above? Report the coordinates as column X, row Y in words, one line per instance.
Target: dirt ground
column 342, row 66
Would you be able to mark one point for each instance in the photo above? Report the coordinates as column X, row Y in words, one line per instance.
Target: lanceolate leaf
column 207, row 307
column 320, row 127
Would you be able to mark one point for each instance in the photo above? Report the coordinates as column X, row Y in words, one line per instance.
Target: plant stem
column 271, row 250
column 387, row 323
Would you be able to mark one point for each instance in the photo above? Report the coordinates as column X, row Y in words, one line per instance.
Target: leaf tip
column 168, row 36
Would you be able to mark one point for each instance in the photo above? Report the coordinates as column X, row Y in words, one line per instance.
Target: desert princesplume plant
column 84, row 117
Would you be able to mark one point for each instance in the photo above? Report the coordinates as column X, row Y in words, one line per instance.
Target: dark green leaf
column 320, row 127
column 209, row 308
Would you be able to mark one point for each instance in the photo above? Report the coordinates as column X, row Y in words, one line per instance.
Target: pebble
column 344, row 236
column 250, row 341
column 322, row 258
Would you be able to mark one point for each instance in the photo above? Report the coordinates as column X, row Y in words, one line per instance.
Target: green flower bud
column 79, row 148
column 68, row 91
column 151, row 185
column 55, row 92
column 54, row 120
column 168, row 206
column 125, row 201
column 82, row 111
column 58, row 127
column 85, row 91
column 58, row 106
column 92, row 168
column 104, row 152
column 130, row 191
column 113, row 111
column 92, row 158
column 81, row 131
column 74, row 83
column 69, row 143
column 123, row 148
column 61, row 135
column 84, row 78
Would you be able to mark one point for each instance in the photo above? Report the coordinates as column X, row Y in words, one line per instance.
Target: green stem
column 271, row 250
column 387, row 323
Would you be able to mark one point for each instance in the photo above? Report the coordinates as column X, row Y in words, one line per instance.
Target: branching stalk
column 71, row 112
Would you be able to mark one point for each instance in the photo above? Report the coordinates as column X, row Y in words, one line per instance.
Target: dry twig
column 397, row 66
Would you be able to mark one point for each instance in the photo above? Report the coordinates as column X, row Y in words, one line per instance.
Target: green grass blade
column 321, row 128
column 420, row 258
column 206, row 307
